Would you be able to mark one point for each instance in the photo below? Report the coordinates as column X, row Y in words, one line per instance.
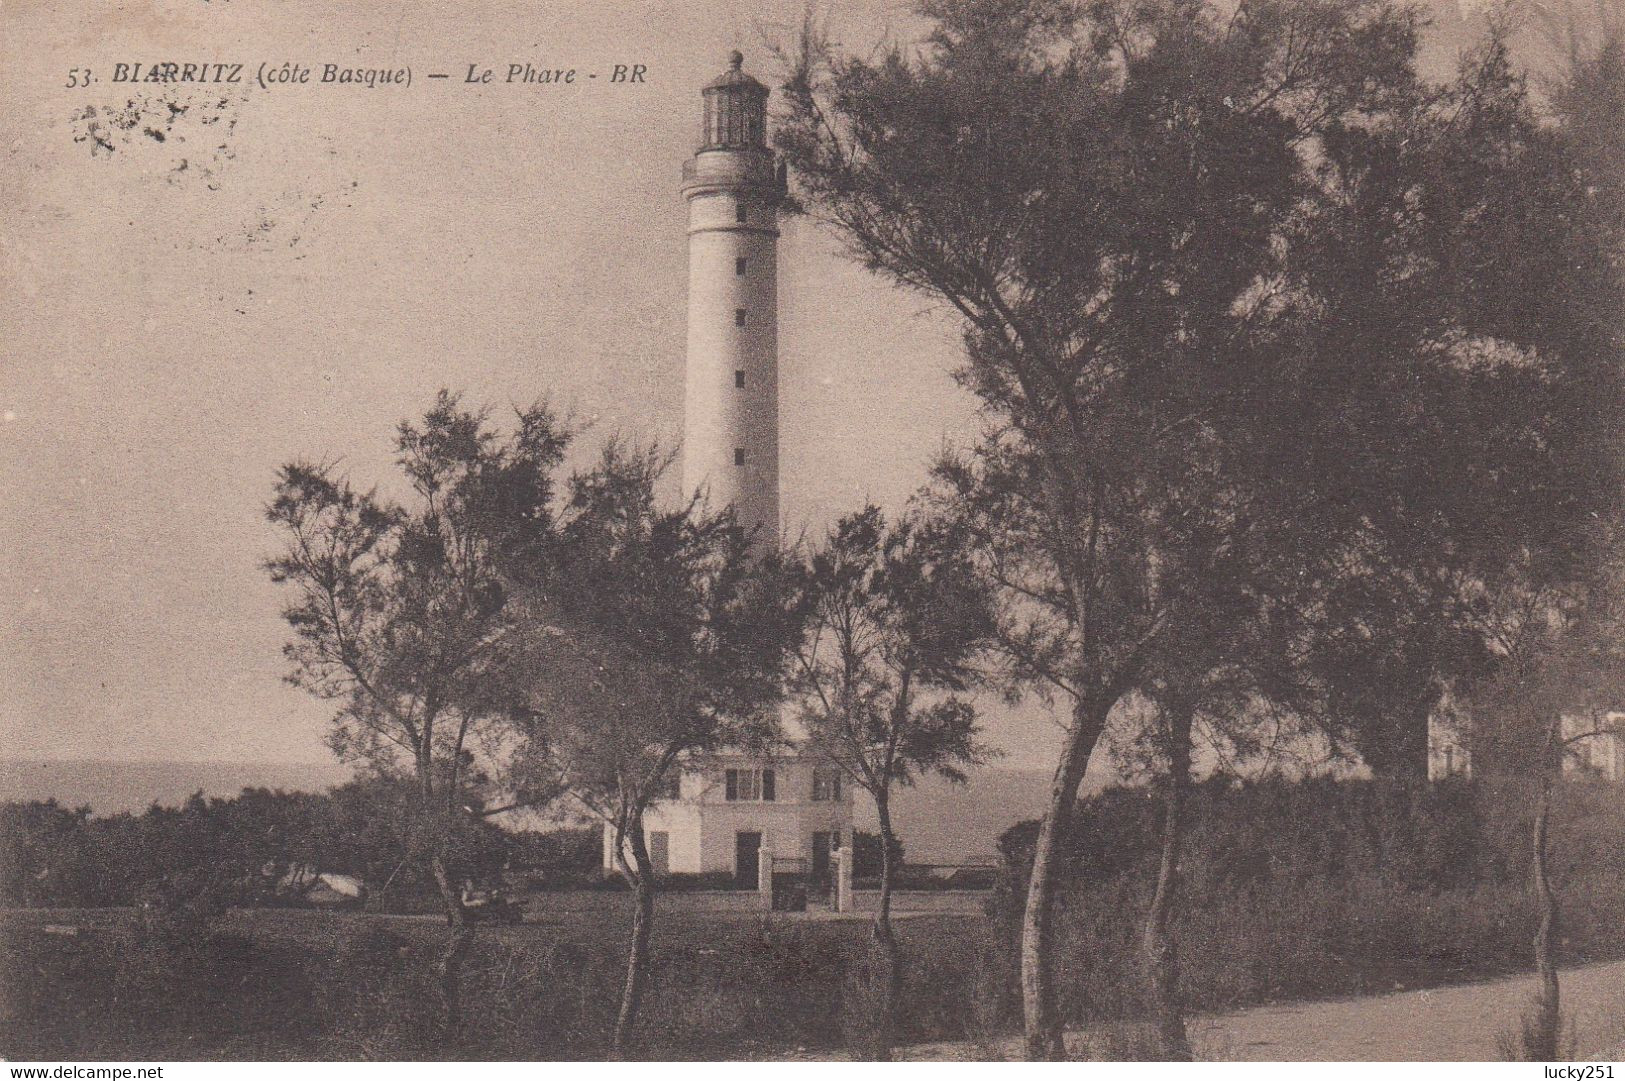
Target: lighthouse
column 731, row 392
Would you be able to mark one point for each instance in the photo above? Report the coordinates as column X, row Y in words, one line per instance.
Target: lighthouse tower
column 731, row 398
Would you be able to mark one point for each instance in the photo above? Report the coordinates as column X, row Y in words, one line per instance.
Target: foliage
column 1323, row 888
column 1558, row 666
column 569, row 855
column 319, row 986
column 398, row 610
column 1447, row 835
column 1538, row 1032
column 646, row 635
column 44, row 857
column 899, row 617
column 1247, row 306
column 1196, row 308
column 645, row 638
column 241, row 848
column 866, row 854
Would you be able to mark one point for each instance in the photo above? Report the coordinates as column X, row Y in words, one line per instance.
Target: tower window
column 741, row 212
column 739, row 268
column 739, row 456
column 739, row 317
column 739, row 377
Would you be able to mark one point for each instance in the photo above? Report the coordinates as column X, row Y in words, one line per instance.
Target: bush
column 378, row 997
column 56, row 992
column 183, row 907
column 1319, row 888
column 45, row 856
column 1538, row 1038
column 1292, row 892
column 682, row 882
column 557, row 858
column 866, row 854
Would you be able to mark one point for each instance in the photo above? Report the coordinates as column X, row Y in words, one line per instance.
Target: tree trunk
column 1547, row 1000
column 890, row 956
column 449, row 966
column 637, row 961
column 1044, row 1035
column 1161, row 950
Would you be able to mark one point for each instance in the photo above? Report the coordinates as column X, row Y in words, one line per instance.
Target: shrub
column 1538, row 1038
column 182, row 907
column 1315, row 889
column 863, row 1024
column 1118, row 1041
column 866, row 854
column 378, row 997
column 555, row 858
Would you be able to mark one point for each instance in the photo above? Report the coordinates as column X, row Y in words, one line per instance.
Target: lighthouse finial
column 736, row 60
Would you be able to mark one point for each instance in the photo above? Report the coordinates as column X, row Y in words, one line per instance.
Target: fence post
column 764, row 875
column 843, row 879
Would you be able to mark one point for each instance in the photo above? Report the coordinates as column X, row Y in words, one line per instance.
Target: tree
column 1227, row 675
column 899, row 617
column 1228, row 280
column 649, row 638
column 398, row 610
column 1558, row 683
column 44, row 859
column 1588, row 103
column 1464, row 409
column 1103, row 223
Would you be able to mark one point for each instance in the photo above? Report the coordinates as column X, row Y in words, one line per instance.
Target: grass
column 287, row 984
column 1308, row 940
column 292, row 984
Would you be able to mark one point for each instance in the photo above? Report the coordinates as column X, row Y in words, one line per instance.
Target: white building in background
column 721, row 815
column 1603, row 755
column 1600, row 755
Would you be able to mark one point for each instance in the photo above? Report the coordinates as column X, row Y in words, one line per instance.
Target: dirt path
column 1446, row 1024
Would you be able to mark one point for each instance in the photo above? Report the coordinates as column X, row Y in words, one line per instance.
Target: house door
column 660, row 851
column 747, row 849
column 820, row 857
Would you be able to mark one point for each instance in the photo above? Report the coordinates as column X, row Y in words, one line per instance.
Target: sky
column 326, row 259
column 199, row 283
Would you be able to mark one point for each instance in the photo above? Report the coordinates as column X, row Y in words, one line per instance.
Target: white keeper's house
column 721, row 815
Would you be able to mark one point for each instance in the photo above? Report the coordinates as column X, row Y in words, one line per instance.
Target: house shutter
column 733, row 784
column 767, row 785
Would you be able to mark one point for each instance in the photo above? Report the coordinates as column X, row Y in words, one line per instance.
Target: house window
column 739, row 317
column 739, row 268
column 826, row 784
column 739, row 456
column 749, row 785
column 739, row 377
column 670, row 786
column 741, row 212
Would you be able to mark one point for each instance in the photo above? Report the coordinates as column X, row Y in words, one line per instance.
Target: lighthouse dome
column 735, row 75
column 735, row 109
